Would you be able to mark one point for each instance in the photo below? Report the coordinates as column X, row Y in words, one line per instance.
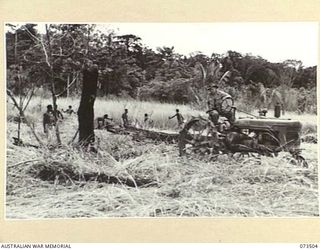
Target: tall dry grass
column 228, row 186
column 158, row 112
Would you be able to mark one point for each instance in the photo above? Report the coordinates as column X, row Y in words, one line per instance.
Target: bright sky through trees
column 274, row 41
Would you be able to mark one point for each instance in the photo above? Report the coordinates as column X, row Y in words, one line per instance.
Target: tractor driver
column 220, row 103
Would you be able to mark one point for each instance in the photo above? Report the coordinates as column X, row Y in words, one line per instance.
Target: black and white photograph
column 144, row 120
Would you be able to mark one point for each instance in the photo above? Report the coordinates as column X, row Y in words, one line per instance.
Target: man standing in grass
column 302, row 99
column 147, row 122
column 48, row 119
column 180, row 118
column 146, row 118
column 125, row 119
column 49, row 122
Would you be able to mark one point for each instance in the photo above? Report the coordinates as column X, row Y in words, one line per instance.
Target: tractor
column 245, row 135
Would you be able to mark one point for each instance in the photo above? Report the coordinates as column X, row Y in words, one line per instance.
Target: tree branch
column 45, row 53
column 23, row 115
column 31, row 35
column 71, row 53
column 29, row 99
column 73, row 81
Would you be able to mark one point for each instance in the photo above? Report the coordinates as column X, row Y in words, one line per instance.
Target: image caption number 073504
column 310, row 246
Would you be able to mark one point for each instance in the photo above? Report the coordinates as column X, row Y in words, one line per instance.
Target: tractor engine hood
column 265, row 123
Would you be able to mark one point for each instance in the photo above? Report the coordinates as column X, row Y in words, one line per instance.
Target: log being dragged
column 139, row 134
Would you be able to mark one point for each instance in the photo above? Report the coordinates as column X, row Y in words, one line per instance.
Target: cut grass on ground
column 55, row 183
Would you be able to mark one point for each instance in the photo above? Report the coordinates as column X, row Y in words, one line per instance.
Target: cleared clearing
column 143, row 179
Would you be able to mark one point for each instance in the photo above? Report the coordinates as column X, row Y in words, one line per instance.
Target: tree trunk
column 54, row 100
column 20, row 105
column 68, row 87
column 52, row 84
column 86, row 111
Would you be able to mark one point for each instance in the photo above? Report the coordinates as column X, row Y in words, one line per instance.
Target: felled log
column 142, row 134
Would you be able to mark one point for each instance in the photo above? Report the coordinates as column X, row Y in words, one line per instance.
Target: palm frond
column 225, row 78
column 213, row 70
column 203, row 72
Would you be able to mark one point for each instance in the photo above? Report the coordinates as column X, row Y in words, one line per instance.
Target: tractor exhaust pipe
column 233, row 114
column 277, row 110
